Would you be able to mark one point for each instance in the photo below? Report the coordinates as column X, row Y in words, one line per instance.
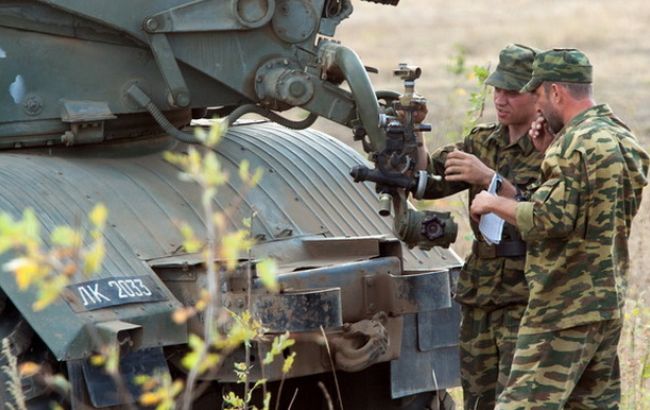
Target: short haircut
column 579, row 91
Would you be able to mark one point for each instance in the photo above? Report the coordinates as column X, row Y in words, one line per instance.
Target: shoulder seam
column 484, row 127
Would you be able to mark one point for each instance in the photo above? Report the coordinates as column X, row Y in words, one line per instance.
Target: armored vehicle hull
column 96, row 93
column 309, row 216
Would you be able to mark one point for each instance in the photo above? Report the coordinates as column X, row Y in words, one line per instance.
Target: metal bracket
column 122, row 335
column 293, row 311
column 212, row 15
column 86, row 119
column 404, row 294
column 342, row 10
column 179, row 94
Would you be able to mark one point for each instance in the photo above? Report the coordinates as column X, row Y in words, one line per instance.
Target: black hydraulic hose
column 145, row 102
column 387, row 95
column 252, row 108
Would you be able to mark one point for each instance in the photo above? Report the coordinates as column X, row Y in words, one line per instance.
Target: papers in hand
column 490, row 225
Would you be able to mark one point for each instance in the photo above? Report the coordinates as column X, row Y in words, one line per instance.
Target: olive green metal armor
column 94, row 92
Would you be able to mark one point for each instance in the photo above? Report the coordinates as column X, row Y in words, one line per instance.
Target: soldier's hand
column 464, row 167
column 541, row 134
column 481, row 205
column 421, row 113
column 418, row 115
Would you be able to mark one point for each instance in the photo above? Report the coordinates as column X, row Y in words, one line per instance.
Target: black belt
column 507, row 249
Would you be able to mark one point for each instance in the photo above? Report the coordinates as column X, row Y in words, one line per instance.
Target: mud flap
column 101, row 390
column 429, row 358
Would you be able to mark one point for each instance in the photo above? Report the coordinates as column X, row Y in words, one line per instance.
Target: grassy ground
column 614, row 34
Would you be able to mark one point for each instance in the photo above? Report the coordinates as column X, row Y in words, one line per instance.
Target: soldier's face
column 548, row 109
column 514, row 108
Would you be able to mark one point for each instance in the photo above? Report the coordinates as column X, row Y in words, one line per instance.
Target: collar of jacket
column 501, row 137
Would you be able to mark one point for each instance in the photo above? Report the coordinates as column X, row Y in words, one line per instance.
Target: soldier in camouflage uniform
column 491, row 288
column 576, row 226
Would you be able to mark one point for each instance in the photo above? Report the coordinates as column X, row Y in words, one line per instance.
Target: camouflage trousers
column 487, row 345
column 575, row 368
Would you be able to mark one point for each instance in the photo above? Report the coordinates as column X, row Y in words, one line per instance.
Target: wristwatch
column 498, row 180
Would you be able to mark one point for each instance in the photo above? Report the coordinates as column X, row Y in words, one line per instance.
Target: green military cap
column 514, row 69
column 564, row 65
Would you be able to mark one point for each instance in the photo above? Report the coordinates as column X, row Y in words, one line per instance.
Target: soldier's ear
column 556, row 94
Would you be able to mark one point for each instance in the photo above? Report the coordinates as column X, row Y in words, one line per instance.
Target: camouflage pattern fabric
column 567, row 65
column 579, row 221
column 574, row 368
column 487, row 346
column 514, row 69
column 492, row 290
column 490, row 282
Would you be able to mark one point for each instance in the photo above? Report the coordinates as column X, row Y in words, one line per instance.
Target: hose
column 362, row 91
column 145, row 102
column 252, row 108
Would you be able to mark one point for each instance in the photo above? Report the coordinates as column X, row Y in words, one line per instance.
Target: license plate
column 108, row 292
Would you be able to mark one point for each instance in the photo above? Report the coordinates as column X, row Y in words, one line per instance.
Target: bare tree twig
column 329, row 355
column 328, row 398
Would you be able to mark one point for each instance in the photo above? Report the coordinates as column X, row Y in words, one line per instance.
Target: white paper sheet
column 490, row 225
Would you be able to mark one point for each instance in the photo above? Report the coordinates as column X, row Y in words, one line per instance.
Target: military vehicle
column 95, row 91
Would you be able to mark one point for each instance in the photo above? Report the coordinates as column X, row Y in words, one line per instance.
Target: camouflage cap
column 565, row 65
column 514, row 69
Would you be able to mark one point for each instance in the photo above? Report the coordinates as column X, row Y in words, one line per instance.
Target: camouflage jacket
column 578, row 223
column 490, row 282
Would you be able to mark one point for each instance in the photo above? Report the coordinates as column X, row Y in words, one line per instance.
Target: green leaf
column 279, row 344
column 49, row 291
column 195, row 342
column 218, row 129
column 212, row 172
column 30, row 226
column 288, row 363
column 141, row 379
column 257, row 177
column 98, row 216
column 241, row 371
column 244, row 168
column 208, row 194
column 267, row 401
column 200, row 134
column 112, row 365
column 94, row 257
column 267, row 272
column 481, row 73
column 174, row 158
column 66, row 237
column 234, row 401
column 646, row 368
column 190, row 242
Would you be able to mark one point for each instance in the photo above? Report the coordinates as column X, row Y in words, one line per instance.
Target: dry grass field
column 615, row 36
